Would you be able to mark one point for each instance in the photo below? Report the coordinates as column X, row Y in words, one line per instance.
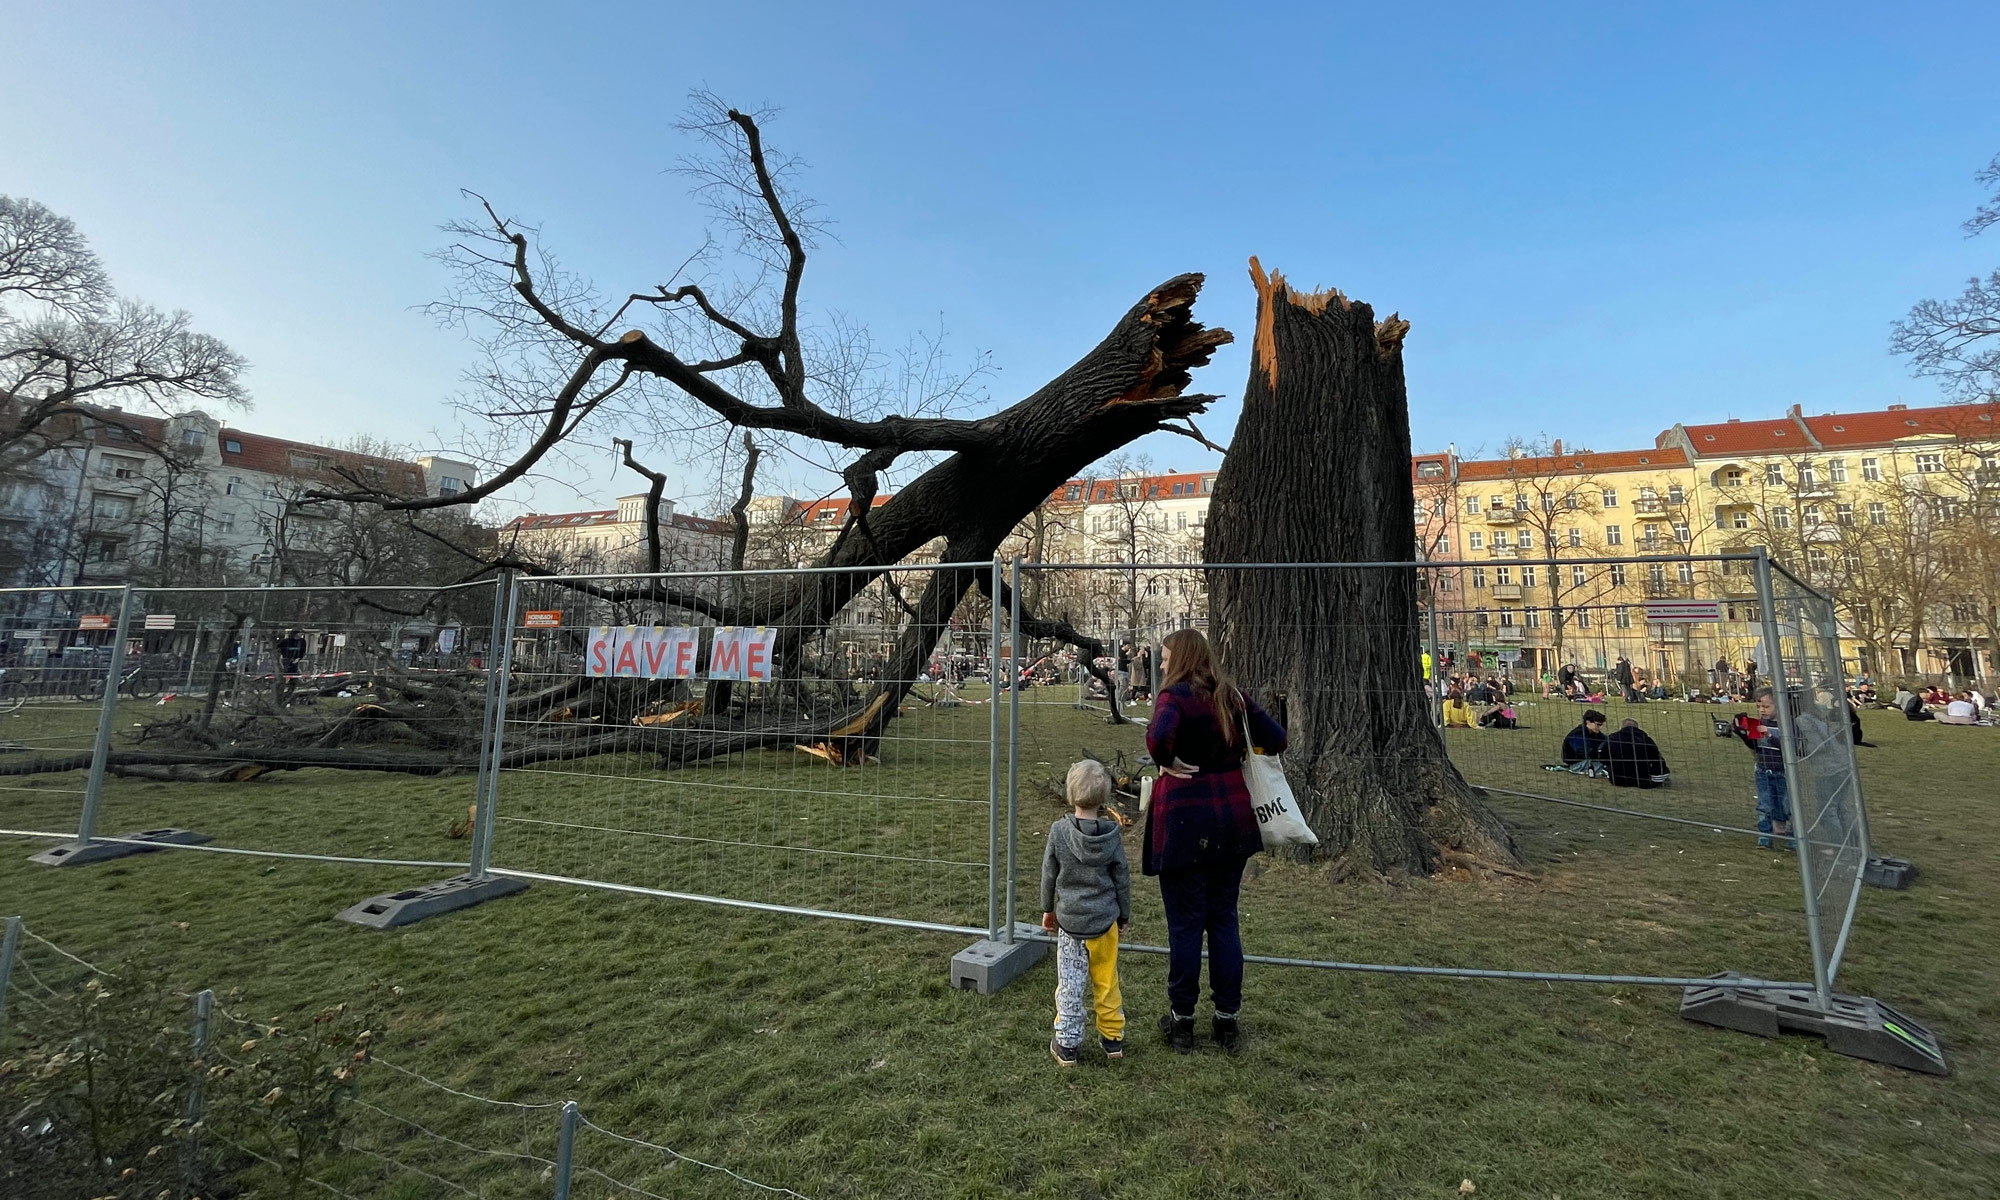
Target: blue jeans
column 1202, row 900
column 1772, row 806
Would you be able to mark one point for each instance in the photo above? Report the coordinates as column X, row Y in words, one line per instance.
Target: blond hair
column 1088, row 785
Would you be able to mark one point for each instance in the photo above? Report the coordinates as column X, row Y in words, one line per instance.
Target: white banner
column 642, row 651
column 741, row 652
column 1677, row 611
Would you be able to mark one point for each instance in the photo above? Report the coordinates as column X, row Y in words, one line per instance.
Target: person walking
column 1201, row 828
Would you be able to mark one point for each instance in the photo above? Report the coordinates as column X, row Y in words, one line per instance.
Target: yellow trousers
column 1088, row 967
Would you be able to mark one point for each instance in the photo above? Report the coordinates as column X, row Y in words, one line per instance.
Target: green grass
column 832, row 1058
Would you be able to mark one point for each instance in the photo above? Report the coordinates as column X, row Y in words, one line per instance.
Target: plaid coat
column 1208, row 818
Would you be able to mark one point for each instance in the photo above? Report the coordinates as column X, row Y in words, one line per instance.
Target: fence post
column 993, row 767
column 107, row 716
column 1013, row 739
column 565, row 1149
column 1437, row 655
column 1774, row 669
column 486, row 790
column 204, row 1002
column 10, row 945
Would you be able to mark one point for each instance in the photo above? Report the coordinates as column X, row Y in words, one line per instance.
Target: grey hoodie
column 1085, row 881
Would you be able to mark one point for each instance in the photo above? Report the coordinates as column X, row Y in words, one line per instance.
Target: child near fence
column 1086, row 902
column 1761, row 734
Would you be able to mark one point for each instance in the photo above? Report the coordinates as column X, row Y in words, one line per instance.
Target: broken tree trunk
column 1319, row 471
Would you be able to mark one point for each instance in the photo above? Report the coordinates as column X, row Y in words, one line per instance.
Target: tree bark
column 1319, row 471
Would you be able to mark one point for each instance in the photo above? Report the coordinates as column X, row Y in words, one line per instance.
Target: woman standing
column 1201, row 829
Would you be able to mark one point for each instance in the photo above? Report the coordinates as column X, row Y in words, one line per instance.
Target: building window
column 1527, row 577
column 1520, row 502
column 1656, row 574
column 1609, row 498
column 1430, row 470
column 1781, row 517
column 118, row 466
column 1499, row 539
column 1532, row 617
column 1816, row 562
column 1836, row 469
column 1475, row 540
column 1687, row 572
column 1732, row 478
column 1808, row 476
column 1843, row 514
column 1472, row 506
column 1526, row 540
column 1576, row 537
column 1479, row 577
column 190, row 438
column 1503, row 576
column 1878, row 513
column 110, row 508
column 1507, row 618
column 1650, row 537
column 1809, row 517
column 101, row 550
column 1676, row 494
column 1578, row 576
column 1451, row 620
column 1497, row 503
column 1930, row 462
column 1613, row 536
column 1871, row 470
column 225, row 522
column 449, row 485
column 1739, row 519
column 1774, row 474
column 1548, row 503
column 232, row 446
column 270, row 491
column 1479, row 617
column 1617, row 574
column 1583, row 618
column 1682, row 533
column 1621, row 617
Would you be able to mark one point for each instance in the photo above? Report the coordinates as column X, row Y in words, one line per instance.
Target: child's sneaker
column 1066, row 1056
column 1114, row 1047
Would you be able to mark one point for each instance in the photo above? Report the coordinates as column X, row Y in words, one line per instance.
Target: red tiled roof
column 1584, row 463
column 276, row 456
column 1975, row 421
column 1151, row 487
column 1781, row 436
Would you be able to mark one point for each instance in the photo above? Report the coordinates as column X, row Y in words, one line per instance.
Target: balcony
column 1986, row 478
column 1654, row 509
column 1510, row 633
column 1666, row 589
column 1504, row 516
column 1658, row 547
column 1506, row 591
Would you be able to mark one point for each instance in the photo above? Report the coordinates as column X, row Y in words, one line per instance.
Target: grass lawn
column 833, row 1059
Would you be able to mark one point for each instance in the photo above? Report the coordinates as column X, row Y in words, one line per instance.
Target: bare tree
column 66, row 337
column 1957, row 341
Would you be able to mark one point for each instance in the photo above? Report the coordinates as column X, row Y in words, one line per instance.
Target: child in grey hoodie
column 1086, row 902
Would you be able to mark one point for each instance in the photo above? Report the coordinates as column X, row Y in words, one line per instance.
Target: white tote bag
column 1278, row 817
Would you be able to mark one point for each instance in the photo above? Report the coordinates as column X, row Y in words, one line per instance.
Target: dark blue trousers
column 1201, row 900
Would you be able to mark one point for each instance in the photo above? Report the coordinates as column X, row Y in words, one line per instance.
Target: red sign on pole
column 94, row 621
column 542, row 618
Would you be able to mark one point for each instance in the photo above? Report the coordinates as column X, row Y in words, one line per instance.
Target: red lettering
column 656, row 653
column 724, row 658
column 628, row 663
column 759, row 664
column 684, row 657
column 599, row 660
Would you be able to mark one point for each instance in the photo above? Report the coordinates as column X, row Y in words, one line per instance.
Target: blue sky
column 1599, row 218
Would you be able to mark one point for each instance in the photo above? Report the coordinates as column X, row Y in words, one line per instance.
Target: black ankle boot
column 1226, row 1032
column 1179, row 1032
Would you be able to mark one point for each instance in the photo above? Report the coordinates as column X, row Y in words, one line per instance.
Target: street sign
column 94, row 621
column 159, row 620
column 1677, row 611
column 542, row 618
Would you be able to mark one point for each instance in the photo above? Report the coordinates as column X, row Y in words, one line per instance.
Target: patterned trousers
column 1088, row 967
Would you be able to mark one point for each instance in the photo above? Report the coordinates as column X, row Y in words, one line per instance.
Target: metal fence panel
column 337, row 723
column 55, row 655
column 807, row 741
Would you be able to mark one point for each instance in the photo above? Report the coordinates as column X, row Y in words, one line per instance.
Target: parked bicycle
column 142, row 682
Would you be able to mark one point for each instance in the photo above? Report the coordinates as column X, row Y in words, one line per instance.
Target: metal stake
column 107, row 716
column 204, row 1002
column 565, row 1145
column 10, row 945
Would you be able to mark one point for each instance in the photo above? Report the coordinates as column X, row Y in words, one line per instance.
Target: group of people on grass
column 1967, row 706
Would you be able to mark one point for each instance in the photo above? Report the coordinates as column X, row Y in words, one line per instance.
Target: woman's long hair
column 1191, row 660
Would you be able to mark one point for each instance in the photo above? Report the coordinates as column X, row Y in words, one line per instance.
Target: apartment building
column 186, row 499
column 616, row 539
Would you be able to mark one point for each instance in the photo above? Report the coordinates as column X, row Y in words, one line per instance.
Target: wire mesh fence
column 1508, row 681
column 55, row 652
column 814, row 741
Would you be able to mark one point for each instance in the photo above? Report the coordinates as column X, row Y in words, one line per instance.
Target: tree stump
column 1319, row 471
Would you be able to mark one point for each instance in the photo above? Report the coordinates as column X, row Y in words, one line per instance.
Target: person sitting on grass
column 1635, row 758
column 1086, row 902
column 1961, row 711
column 1761, row 733
column 1500, row 716
column 1586, row 750
column 1457, row 713
column 1913, row 707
